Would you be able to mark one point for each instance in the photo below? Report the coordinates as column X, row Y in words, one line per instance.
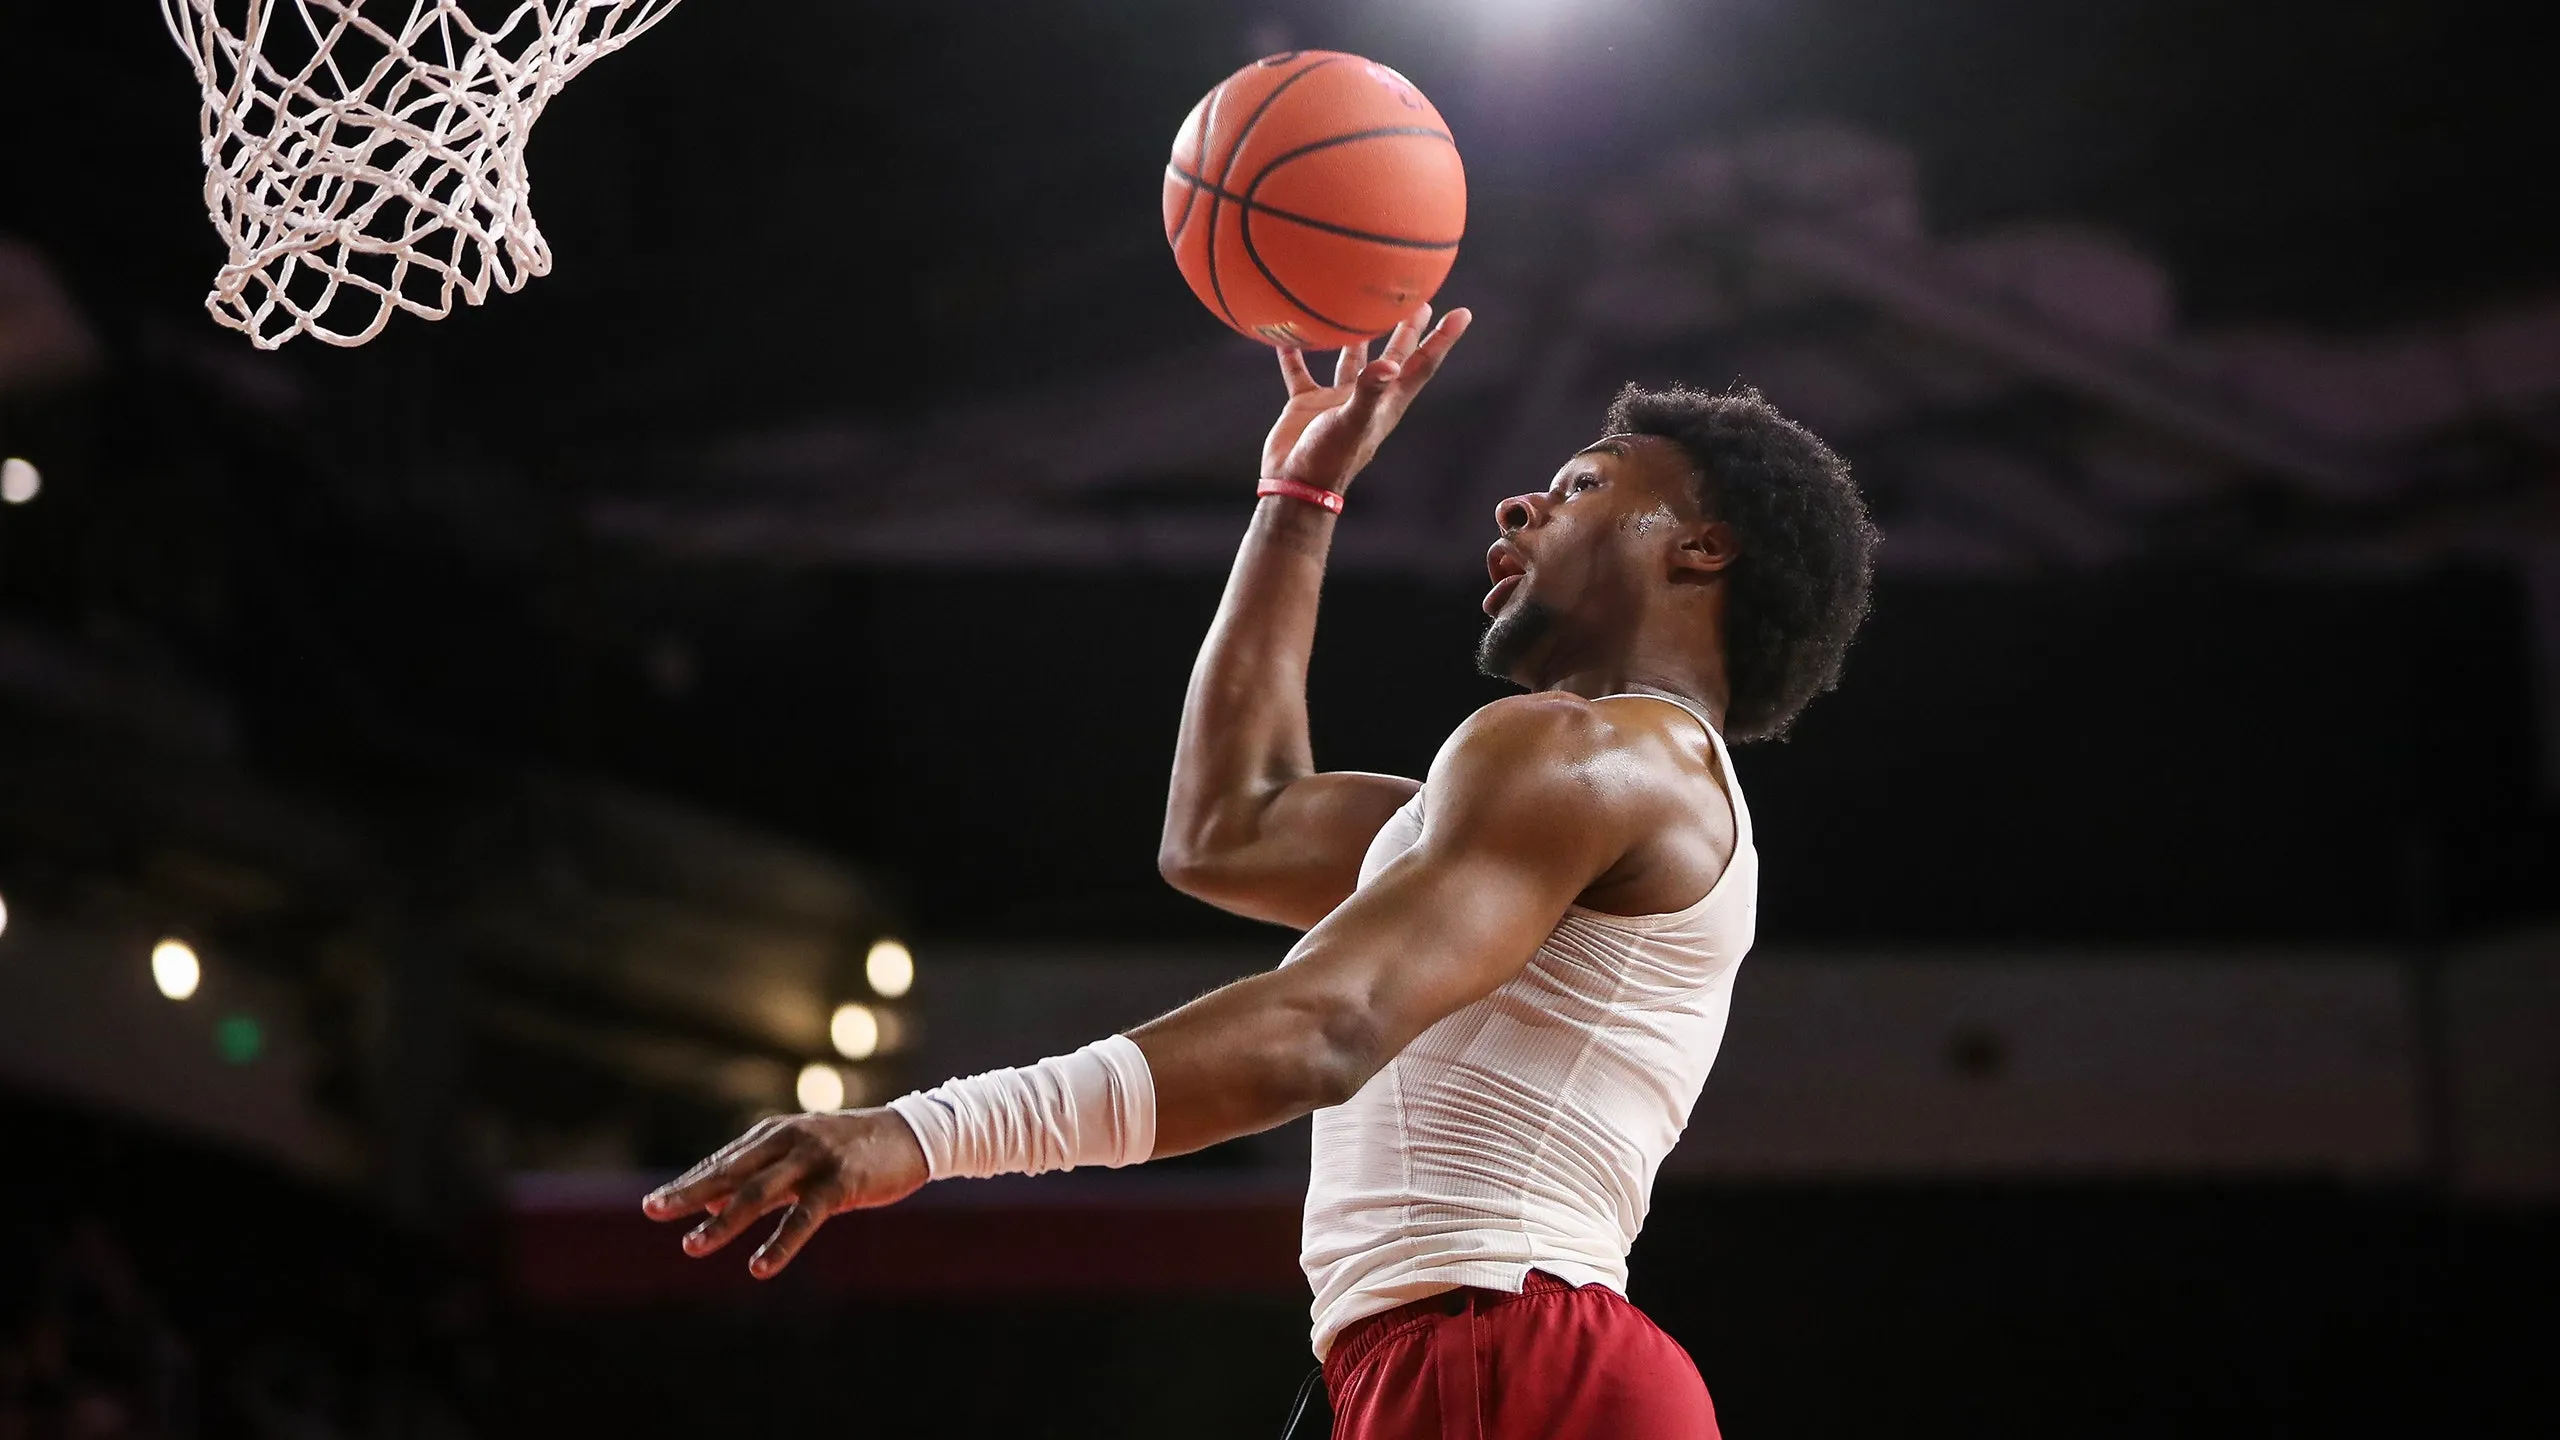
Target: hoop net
column 356, row 164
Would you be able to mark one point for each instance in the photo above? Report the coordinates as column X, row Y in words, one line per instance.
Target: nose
column 1520, row 512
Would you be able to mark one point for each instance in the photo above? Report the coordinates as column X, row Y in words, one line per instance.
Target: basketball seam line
column 1216, row 286
column 1233, row 146
column 1208, row 123
column 1208, row 133
column 1244, row 226
column 1190, row 198
column 1244, row 222
column 1379, row 133
column 1265, row 207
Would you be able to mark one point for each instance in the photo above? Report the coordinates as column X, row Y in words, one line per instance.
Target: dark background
column 376, row 561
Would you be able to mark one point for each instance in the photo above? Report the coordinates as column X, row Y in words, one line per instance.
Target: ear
column 1707, row 549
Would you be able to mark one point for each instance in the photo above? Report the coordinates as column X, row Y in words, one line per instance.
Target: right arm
column 1250, row 825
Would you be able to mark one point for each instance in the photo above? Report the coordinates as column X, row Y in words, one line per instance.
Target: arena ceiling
column 838, row 284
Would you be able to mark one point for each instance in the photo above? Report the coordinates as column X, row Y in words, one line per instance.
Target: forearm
column 1244, row 717
column 1252, row 1055
column 1241, row 1059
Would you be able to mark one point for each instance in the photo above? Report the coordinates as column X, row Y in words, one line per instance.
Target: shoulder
column 1561, row 729
column 1550, row 723
column 1547, row 757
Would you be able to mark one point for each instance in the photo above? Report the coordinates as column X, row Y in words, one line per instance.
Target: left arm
column 1521, row 821
column 1526, row 813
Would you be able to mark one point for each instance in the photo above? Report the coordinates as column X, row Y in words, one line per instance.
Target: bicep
column 1302, row 856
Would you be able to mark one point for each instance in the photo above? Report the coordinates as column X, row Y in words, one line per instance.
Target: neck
column 1701, row 681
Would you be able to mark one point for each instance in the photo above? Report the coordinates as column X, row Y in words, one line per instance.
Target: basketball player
column 1515, row 972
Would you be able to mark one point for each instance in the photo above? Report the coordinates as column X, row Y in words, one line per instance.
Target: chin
column 1512, row 639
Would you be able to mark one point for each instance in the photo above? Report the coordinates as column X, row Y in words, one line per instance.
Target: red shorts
column 1551, row 1362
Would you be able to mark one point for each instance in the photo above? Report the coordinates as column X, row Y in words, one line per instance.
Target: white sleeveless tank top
column 1523, row 1132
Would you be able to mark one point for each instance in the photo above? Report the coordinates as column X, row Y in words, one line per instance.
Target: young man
column 1516, row 971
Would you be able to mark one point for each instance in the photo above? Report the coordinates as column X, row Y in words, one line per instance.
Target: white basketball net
column 357, row 163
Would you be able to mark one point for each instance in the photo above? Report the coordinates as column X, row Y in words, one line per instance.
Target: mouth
column 1507, row 569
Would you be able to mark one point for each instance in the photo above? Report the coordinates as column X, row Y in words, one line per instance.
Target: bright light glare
column 20, row 480
column 4, row 915
column 855, row 1031
column 890, row 968
column 175, row 969
column 820, row 1088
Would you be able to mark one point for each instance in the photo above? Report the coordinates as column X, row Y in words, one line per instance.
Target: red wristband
column 1315, row 495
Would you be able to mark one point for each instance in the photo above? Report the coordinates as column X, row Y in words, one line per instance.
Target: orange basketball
column 1313, row 198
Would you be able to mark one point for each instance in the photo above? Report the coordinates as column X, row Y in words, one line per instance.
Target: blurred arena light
column 20, row 480
column 175, row 969
column 855, row 1029
column 4, row 914
column 890, row 968
column 1517, row 24
column 821, row 1087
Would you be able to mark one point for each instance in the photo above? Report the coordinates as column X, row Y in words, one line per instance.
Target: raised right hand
column 1326, row 434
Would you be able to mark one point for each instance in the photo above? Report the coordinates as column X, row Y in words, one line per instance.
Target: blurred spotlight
column 4, row 915
column 240, row 1038
column 20, row 480
column 821, row 1087
column 889, row 968
column 175, row 969
column 1544, row 37
column 855, row 1031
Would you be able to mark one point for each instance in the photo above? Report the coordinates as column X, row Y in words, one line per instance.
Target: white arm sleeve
column 1095, row 1107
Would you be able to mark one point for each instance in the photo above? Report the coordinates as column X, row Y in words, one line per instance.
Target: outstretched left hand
column 816, row 1165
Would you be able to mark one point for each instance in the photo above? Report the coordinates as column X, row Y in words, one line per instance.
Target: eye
column 1580, row 483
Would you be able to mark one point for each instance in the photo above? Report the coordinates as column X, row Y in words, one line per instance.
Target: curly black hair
column 1807, row 548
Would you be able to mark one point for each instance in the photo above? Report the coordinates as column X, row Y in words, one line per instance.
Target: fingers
column 1293, row 370
column 711, row 1182
column 1408, row 333
column 1426, row 358
column 779, row 1249
column 1353, row 360
column 1369, row 392
column 768, row 1190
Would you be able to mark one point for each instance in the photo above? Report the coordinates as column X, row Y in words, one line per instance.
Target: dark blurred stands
column 157, row 1287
